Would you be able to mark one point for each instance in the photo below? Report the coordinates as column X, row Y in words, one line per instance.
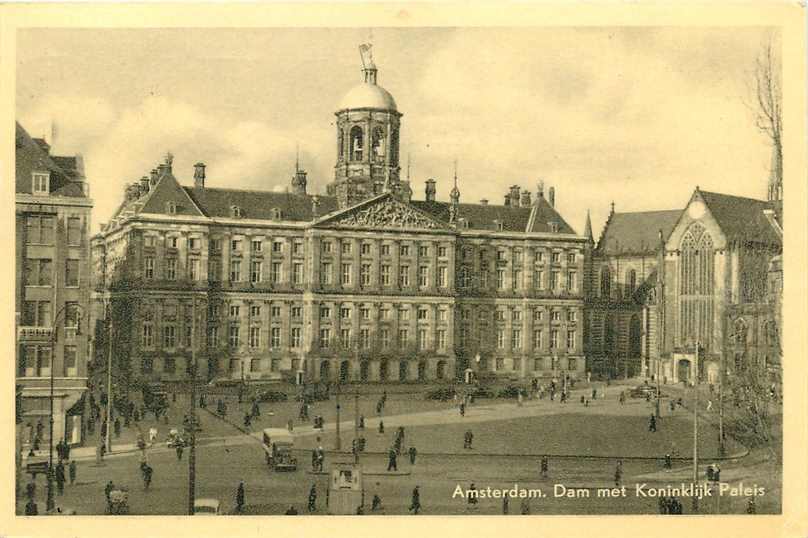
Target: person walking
column 179, row 450
column 147, row 475
column 391, row 460
column 31, row 508
column 618, row 473
column 545, row 466
column 652, row 424
column 72, row 471
column 376, row 504
column 471, row 496
column 415, row 506
column 413, row 453
column 247, row 421
column 505, row 504
column 117, row 427
column 313, row 498
column 107, row 492
column 668, row 461
column 381, row 426
column 60, row 478
column 462, row 409
column 240, row 497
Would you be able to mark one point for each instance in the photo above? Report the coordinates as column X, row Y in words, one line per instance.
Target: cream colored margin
column 789, row 16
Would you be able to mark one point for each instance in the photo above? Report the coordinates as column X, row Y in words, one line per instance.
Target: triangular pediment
column 382, row 212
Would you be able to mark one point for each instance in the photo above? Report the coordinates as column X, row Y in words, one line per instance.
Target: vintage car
column 278, row 445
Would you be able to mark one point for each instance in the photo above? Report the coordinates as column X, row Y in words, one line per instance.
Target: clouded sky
column 635, row 115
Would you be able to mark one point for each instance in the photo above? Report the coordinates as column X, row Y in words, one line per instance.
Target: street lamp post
column 49, row 504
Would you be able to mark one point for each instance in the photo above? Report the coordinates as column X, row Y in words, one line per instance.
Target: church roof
column 368, row 95
column 636, row 232
column 741, row 219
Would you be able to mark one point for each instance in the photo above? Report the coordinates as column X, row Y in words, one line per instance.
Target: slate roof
column 513, row 218
column 741, row 219
column 636, row 232
column 32, row 155
column 258, row 204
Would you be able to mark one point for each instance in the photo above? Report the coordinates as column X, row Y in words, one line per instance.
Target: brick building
column 52, row 285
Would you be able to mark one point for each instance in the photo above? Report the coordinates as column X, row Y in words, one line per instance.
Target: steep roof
column 32, row 155
column 636, row 232
column 513, row 218
column 258, row 204
column 741, row 219
column 167, row 189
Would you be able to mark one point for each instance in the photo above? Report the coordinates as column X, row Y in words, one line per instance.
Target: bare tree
column 768, row 107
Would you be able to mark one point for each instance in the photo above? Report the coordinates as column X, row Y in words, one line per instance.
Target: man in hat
column 415, row 507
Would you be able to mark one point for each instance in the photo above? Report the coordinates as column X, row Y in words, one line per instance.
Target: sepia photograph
column 368, row 270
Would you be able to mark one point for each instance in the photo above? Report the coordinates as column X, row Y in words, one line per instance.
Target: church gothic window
column 357, row 141
column 696, row 286
column 605, row 282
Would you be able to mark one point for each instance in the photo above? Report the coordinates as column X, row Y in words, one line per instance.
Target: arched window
column 696, row 286
column 235, row 212
column 605, row 283
column 631, row 282
column 357, row 142
column 377, row 144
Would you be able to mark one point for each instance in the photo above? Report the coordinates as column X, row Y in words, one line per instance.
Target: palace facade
column 365, row 283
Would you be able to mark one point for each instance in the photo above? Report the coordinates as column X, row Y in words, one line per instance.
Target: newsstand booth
column 346, row 489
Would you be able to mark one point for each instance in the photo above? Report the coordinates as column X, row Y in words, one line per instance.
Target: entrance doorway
column 364, row 371
column 421, row 371
column 683, row 370
column 325, row 371
column 403, row 370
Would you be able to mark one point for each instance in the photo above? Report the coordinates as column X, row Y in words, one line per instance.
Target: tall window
column 516, row 339
column 605, row 283
column 169, row 336
column 41, row 183
column 171, row 269
column 696, row 286
column 572, row 281
column 500, row 338
column 423, row 276
column 404, row 276
column 39, row 272
column 71, row 273
column 73, row 231
column 553, row 339
column 385, row 338
column 325, row 338
column 500, row 279
column 378, row 144
column 233, row 337
column 440, row 335
column 147, row 335
column 537, row 341
column 235, row 270
column 345, row 279
column 385, row 275
column 423, row 342
column 255, row 272
column 571, row 340
column 357, row 142
column 326, row 276
column 193, row 268
column 297, row 273
column 276, row 271
column 274, row 337
column 364, row 274
column 296, row 337
column 40, row 229
column 631, row 281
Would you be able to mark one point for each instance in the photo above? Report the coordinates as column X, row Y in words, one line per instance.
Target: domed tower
column 368, row 124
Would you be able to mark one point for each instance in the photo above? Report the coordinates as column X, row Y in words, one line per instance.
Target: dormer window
column 276, row 213
column 553, row 226
column 235, row 212
column 41, row 183
column 171, row 208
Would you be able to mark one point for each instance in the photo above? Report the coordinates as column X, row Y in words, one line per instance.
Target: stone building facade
column 52, row 286
column 365, row 283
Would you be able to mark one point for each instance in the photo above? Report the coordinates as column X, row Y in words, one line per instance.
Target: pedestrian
column 60, row 478
column 72, row 471
column 314, row 459
column 750, row 506
column 545, row 466
column 397, row 445
column 462, row 409
column 117, row 427
column 586, row 403
column 668, row 461
column 594, row 394
column 525, row 508
column 147, row 475
column 471, row 495
column 663, row 504
column 413, row 453
column 379, row 407
column 391, row 460
column 376, row 503
column 291, row 511
column 672, row 406
column 290, row 425
column 31, row 509
column 256, row 409
column 240, row 497
column 471, row 438
column 313, row 498
column 361, row 422
column 709, row 405
column 67, row 450
column 381, row 426
column 30, row 490
column 415, row 507
column 107, row 492
column 505, row 502
column 179, row 450
column 247, row 420
column 652, row 424
column 618, row 473
column 40, row 428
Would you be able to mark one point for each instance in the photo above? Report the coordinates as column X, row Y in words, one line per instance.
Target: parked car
column 642, row 391
column 206, row 507
column 272, row 396
column 442, row 394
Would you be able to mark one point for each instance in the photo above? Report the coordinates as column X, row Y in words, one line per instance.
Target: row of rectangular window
column 215, row 245
column 41, row 230
column 35, row 361
column 468, row 279
column 365, row 249
column 39, row 272
column 502, row 255
column 539, row 363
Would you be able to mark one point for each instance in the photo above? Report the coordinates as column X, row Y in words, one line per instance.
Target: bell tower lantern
column 368, row 124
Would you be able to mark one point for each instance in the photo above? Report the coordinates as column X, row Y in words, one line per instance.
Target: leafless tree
column 768, row 104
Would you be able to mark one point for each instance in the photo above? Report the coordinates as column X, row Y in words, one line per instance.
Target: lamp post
column 49, row 505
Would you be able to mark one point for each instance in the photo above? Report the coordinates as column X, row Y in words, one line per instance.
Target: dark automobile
column 643, row 391
column 272, row 396
column 442, row 394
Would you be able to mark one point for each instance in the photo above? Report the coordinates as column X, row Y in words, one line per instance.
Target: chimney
column 144, row 184
column 507, row 200
column 315, row 206
column 515, row 195
column 153, row 177
column 551, row 196
column 484, row 201
column 430, row 190
column 199, row 176
column 299, row 182
column 525, row 201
